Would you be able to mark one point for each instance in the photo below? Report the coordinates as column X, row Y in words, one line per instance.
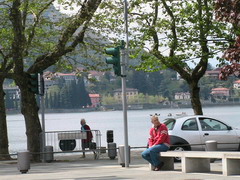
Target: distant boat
column 181, row 114
column 135, row 107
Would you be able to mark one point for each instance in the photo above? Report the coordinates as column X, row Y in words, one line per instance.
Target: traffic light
column 114, row 60
column 36, row 83
column 33, row 83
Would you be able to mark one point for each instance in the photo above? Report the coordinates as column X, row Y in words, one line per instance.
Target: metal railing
column 71, row 141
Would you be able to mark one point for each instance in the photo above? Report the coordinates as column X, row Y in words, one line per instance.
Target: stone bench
column 199, row 161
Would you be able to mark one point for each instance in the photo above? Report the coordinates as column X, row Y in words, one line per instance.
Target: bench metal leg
column 231, row 166
column 195, row 165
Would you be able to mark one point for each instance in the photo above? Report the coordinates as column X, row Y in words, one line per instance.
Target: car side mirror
column 229, row 128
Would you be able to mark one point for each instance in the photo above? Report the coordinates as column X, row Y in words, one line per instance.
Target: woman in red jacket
column 159, row 141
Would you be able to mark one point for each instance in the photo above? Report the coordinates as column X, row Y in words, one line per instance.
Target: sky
column 65, row 10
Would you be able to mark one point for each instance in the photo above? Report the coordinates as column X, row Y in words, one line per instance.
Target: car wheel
column 179, row 148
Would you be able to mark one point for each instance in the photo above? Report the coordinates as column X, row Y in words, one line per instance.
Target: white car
column 191, row 133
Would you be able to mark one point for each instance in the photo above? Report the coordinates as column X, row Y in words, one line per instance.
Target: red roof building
column 220, row 92
column 95, row 99
column 213, row 73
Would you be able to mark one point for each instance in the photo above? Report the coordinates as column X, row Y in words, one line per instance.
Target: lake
column 138, row 123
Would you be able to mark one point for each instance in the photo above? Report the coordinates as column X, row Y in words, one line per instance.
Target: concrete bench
column 199, row 161
column 230, row 163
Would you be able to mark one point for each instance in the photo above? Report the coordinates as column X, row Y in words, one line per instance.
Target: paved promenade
column 72, row 167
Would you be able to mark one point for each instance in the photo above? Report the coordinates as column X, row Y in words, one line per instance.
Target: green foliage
column 138, row 99
column 105, row 85
column 109, row 100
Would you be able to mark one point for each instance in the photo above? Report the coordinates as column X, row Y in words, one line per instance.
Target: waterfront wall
column 132, row 107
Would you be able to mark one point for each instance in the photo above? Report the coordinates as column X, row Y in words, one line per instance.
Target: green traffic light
column 114, row 60
column 111, row 60
column 112, row 51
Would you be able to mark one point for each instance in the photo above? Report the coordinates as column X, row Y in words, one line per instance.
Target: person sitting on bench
column 159, row 141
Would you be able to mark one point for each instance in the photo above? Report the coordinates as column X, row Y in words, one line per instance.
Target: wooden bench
column 199, row 161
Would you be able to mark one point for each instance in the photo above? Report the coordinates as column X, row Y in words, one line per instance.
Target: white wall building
column 130, row 92
column 236, row 84
column 182, row 96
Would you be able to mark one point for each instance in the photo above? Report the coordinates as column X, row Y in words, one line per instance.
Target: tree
column 229, row 11
column 82, row 94
column 174, row 33
column 184, row 41
column 146, row 83
column 33, row 38
column 73, row 94
column 3, row 125
column 139, row 81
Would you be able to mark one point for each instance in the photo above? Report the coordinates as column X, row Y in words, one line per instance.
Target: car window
column 170, row 122
column 208, row 124
column 190, row 125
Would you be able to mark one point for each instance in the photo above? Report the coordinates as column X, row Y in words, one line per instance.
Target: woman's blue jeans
column 152, row 154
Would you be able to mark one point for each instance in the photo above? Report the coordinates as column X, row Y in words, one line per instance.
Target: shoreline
column 131, row 107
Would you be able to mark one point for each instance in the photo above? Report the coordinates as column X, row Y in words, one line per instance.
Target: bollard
column 109, row 136
column 103, row 150
column 211, row 145
column 112, row 151
column 48, row 153
column 23, row 161
column 121, row 155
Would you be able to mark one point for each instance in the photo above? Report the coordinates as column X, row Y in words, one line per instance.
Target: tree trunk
column 4, row 151
column 29, row 109
column 195, row 98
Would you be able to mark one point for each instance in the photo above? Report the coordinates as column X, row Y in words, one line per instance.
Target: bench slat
column 197, row 154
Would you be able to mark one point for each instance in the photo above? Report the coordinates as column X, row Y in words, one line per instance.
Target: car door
column 225, row 136
column 190, row 132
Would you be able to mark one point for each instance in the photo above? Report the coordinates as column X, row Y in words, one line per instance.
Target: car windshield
column 170, row 122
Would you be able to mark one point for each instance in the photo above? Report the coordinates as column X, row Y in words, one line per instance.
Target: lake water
column 138, row 123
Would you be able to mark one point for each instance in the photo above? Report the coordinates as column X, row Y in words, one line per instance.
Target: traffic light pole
column 124, row 104
column 124, row 62
column 41, row 89
column 43, row 127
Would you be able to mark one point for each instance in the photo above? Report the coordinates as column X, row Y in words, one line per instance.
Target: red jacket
column 89, row 133
column 159, row 135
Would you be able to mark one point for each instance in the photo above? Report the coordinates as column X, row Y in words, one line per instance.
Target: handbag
column 92, row 145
